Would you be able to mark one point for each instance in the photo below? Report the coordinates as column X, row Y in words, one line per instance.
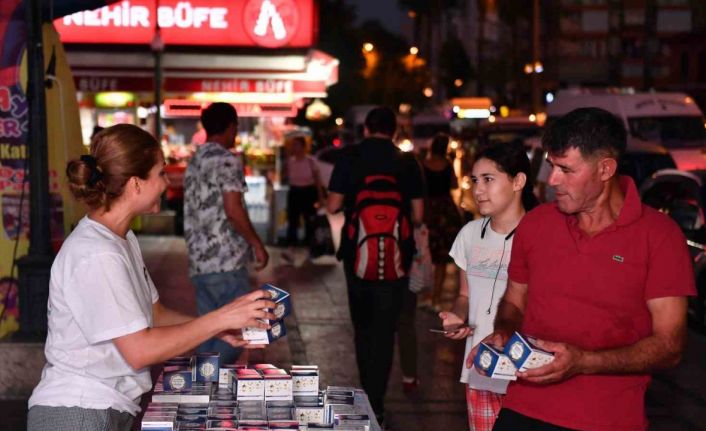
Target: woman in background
column 441, row 214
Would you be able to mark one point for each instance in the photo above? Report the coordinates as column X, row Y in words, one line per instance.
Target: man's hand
column 261, row 257
column 248, row 311
column 497, row 339
column 567, row 363
column 451, row 321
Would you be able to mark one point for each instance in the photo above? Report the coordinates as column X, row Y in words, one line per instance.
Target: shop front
column 253, row 54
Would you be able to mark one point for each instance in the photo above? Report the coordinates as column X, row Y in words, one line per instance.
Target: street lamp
column 414, row 50
column 368, row 47
column 428, row 92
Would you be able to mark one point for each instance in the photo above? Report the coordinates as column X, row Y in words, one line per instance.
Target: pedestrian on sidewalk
column 444, row 222
column 380, row 190
column 106, row 323
column 305, row 193
column 502, row 189
column 600, row 280
column 219, row 235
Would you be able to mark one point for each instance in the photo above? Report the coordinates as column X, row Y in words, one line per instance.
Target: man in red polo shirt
column 601, row 280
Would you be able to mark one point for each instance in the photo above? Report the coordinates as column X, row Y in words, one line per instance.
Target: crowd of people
column 599, row 279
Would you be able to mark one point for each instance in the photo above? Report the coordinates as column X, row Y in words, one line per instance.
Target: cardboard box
column 206, row 367
column 281, row 298
column 283, row 425
column 222, row 424
column 494, row 363
column 225, row 374
column 524, row 354
column 278, row 385
column 265, row 336
column 352, row 421
column 248, row 385
column 305, row 380
column 177, row 380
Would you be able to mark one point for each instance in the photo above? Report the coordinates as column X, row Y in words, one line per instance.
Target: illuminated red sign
column 265, row 23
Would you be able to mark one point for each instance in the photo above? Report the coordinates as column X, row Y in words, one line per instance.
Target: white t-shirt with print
column 481, row 259
column 213, row 243
column 99, row 290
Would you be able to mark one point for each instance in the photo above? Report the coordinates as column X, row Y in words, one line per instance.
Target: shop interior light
column 532, row 118
column 528, row 68
column 405, row 108
column 491, row 119
column 456, row 109
column 504, row 111
column 368, row 47
column 414, row 50
column 260, row 98
column 428, row 92
column 142, row 112
column 339, row 121
column 538, row 67
column 454, row 144
column 317, row 110
column 458, row 82
column 114, row 99
column 493, row 109
column 549, row 97
column 473, row 113
column 406, row 145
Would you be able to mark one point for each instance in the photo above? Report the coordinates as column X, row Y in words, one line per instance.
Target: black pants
column 300, row 202
column 407, row 334
column 509, row 420
column 375, row 309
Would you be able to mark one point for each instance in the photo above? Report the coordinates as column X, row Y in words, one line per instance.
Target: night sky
column 385, row 11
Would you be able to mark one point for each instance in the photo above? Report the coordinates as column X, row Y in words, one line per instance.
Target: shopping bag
column 421, row 274
column 322, row 241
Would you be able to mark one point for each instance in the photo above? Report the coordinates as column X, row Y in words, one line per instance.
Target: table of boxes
column 196, row 393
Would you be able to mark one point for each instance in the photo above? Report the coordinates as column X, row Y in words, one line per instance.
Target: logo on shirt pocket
column 618, row 258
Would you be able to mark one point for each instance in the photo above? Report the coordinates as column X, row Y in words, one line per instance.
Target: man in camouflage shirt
column 217, row 229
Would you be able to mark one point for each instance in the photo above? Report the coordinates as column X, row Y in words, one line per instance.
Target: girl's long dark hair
column 511, row 158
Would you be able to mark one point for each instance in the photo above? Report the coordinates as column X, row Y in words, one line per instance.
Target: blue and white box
column 524, row 353
column 283, row 303
column 177, row 380
column 494, row 363
column 265, row 336
column 205, row 367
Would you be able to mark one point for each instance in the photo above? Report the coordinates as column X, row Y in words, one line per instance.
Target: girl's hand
column 451, row 321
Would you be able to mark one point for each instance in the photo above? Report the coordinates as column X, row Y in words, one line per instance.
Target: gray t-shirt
column 214, row 246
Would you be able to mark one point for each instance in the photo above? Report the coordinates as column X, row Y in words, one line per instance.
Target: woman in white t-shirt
column 503, row 192
column 106, row 323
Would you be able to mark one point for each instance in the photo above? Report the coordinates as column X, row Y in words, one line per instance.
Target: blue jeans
column 213, row 291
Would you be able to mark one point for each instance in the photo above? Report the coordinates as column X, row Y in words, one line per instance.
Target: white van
column 672, row 120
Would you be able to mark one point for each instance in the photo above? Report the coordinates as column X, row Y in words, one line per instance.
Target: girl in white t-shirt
column 502, row 190
column 106, row 323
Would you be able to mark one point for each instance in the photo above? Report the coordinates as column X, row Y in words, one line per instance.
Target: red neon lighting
column 285, row 23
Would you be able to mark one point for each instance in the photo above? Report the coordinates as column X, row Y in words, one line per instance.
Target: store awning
column 283, row 80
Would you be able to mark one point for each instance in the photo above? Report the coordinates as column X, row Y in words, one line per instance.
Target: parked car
column 682, row 195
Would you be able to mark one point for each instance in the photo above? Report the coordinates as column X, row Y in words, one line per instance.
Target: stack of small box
column 520, row 353
column 283, row 307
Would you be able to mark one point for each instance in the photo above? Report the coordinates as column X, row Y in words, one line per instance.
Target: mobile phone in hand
column 447, row 331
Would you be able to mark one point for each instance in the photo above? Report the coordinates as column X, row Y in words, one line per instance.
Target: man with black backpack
column 380, row 190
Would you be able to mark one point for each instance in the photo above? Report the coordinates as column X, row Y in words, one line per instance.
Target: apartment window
column 595, row 21
column 634, row 16
column 674, row 21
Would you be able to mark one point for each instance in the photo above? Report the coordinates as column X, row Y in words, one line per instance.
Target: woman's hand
column 248, row 311
column 451, row 321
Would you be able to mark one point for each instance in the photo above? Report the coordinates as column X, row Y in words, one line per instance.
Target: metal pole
column 158, row 94
column 35, row 266
column 536, row 107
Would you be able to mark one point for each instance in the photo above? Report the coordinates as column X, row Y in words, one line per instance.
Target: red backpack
column 380, row 231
